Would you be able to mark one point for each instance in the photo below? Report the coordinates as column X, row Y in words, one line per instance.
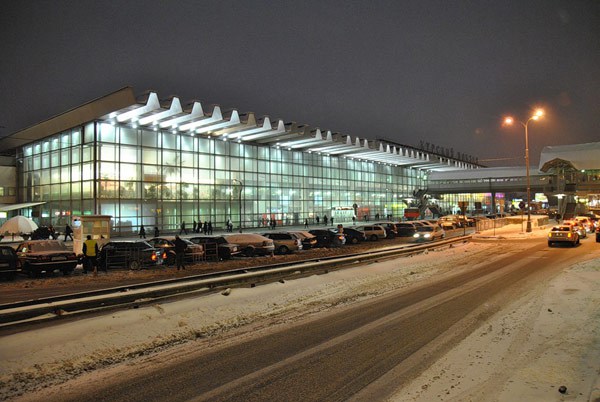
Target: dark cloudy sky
column 444, row 72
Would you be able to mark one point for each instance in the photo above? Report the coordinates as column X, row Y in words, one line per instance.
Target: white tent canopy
column 18, row 225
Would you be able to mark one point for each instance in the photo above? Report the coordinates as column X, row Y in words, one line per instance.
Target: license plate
column 59, row 258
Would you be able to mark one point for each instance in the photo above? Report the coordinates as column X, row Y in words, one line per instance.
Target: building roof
column 229, row 125
column 486, row 173
column 579, row 156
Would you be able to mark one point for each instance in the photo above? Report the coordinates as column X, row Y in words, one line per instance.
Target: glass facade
column 161, row 178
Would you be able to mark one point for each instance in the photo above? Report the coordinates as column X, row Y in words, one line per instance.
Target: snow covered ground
column 549, row 338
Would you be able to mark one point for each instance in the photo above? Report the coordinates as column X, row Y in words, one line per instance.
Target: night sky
column 443, row 72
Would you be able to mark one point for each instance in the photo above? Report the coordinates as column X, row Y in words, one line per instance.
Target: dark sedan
column 217, row 247
column 130, row 254
column 328, row 238
column 193, row 253
column 353, row 236
column 37, row 257
column 9, row 263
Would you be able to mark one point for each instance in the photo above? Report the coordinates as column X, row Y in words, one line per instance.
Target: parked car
column 193, row 253
column 353, row 236
column 285, row 242
column 225, row 249
column 308, row 240
column 46, row 256
column 373, row 232
column 430, row 233
column 449, row 222
column 328, row 238
column 563, row 234
column 390, row 229
column 407, row 230
column 133, row 255
column 252, row 244
column 9, row 262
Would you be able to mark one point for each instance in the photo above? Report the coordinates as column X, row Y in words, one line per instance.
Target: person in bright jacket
column 90, row 255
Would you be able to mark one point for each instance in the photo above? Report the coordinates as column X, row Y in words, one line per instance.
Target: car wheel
column 283, row 250
column 354, row 240
column 249, row 252
column 134, row 265
column 67, row 271
column 374, row 237
column 170, row 259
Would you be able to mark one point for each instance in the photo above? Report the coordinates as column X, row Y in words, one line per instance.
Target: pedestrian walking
column 156, row 231
column 194, row 226
column 325, row 220
column 90, row 255
column 68, row 232
column 273, row 224
column 317, row 219
column 53, row 234
column 205, row 228
column 180, row 247
column 209, row 227
column 199, row 227
column 182, row 228
column 332, row 220
column 229, row 225
column 353, row 219
column 305, row 223
column 142, row 232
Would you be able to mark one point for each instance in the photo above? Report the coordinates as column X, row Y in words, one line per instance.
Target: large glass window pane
column 87, row 171
column 45, row 158
column 149, row 156
column 128, row 154
column 149, row 138
column 187, row 143
column 168, row 140
column 109, row 171
column 107, row 152
column 107, row 133
column 129, row 136
column 55, row 159
column 187, row 159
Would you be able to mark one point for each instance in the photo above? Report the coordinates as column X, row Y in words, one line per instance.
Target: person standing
column 182, row 228
column 325, row 220
column 305, row 223
column 332, row 221
column 353, row 220
column 68, row 232
column 209, row 227
column 90, row 255
column 180, row 247
column 156, row 231
column 205, row 227
column 194, row 226
column 142, row 232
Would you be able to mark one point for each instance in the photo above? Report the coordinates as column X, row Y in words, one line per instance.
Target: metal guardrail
column 145, row 293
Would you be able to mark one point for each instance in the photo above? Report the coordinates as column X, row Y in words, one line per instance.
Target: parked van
column 373, row 232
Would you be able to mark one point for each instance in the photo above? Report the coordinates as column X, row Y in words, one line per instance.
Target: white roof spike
column 366, row 144
column 329, row 136
column 380, row 147
column 357, row 143
column 174, row 109
column 348, row 140
column 318, row 134
column 387, row 148
column 152, row 104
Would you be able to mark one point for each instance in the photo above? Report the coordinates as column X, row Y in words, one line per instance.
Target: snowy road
column 361, row 333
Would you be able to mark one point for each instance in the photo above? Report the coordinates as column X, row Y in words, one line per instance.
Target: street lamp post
column 241, row 183
column 509, row 121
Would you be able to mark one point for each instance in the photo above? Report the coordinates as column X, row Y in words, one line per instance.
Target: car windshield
column 425, row 229
column 47, row 246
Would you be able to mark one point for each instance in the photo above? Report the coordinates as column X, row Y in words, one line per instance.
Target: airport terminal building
column 158, row 163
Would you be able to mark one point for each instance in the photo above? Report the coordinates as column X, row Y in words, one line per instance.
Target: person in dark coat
column 142, row 232
column 325, row 220
column 156, row 231
column 194, row 226
column 68, row 232
column 209, row 228
column 182, row 228
column 305, row 223
column 180, row 247
column 205, row 227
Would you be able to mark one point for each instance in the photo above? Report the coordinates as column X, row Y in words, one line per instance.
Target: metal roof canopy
column 245, row 127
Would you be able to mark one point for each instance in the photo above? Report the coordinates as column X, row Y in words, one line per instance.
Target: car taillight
column 164, row 255
column 570, row 234
column 153, row 258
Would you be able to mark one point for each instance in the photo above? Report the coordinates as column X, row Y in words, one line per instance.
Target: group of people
column 142, row 232
column 206, row 227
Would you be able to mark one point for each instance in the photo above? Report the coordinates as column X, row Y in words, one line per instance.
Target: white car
column 252, row 244
column 373, row 232
column 430, row 233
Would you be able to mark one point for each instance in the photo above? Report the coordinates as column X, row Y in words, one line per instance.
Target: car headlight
column 427, row 235
column 416, row 235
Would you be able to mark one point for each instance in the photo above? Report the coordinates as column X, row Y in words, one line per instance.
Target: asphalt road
column 361, row 352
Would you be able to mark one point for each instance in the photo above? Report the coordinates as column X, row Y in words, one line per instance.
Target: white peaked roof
column 233, row 126
column 581, row 156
